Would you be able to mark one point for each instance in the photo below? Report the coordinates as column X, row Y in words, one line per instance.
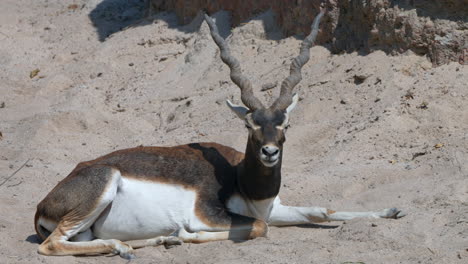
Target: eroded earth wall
column 436, row 28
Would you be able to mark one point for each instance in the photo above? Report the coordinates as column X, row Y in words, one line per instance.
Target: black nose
column 270, row 150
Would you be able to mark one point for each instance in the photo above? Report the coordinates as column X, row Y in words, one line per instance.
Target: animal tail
column 40, row 230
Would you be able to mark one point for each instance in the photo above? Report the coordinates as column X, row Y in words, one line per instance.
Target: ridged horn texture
column 244, row 84
column 287, row 86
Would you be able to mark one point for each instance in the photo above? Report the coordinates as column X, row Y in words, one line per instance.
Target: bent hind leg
column 72, row 207
column 224, row 226
column 58, row 245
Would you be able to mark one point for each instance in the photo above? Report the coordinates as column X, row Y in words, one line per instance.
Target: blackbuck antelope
column 200, row 192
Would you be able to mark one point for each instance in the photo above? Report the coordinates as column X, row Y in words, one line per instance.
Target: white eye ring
column 283, row 127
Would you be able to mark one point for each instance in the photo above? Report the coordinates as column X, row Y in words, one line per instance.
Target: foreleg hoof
column 127, row 255
column 392, row 213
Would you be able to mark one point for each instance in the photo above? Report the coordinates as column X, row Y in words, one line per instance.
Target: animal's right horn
column 240, row 80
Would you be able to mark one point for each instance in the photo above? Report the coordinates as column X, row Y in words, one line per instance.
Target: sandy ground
column 370, row 132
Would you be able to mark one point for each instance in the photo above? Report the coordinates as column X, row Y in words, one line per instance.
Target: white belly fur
column 144, row 209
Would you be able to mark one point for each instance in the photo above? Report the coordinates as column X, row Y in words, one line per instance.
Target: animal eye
column 248, row 126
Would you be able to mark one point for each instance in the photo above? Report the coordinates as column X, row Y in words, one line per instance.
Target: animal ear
column 239, row 110
column 295, row 99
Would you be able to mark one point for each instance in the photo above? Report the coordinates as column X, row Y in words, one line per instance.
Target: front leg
column 282, row 215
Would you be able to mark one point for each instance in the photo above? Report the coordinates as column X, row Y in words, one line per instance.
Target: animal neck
column 256, row 181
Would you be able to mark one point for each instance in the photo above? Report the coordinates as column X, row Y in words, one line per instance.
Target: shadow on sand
column 33, row 239
column 112, row 16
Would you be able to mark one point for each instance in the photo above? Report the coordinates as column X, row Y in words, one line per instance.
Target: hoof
column 127, row 255
column 392, row 213
column 171, row 242
column 124, row 250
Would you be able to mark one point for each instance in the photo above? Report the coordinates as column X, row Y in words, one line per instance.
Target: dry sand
column 371, row 131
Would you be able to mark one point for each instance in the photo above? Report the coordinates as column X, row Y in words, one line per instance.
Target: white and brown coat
column 199, row 192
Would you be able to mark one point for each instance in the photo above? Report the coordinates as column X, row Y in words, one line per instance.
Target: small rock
column 73, row 7
column 268, row 86
column 439, row 145
column 409, row 95
column 2, row 105
column 418, row 154
column 429, row 24
column 423, row 105
column 131, row 64
column 34, row 73
column 426, row 65
column 373, row 225
column 359, row 78
column 178, row 99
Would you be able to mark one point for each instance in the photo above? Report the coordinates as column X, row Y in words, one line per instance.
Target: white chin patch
column 269, row 163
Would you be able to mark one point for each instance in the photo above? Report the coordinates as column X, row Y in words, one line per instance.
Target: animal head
column 267, row 129
column 267, row 126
